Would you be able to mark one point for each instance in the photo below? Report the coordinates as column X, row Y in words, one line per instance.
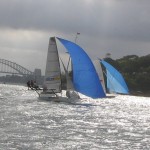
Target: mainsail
column 52, row 73
column 85, row 78
column 115, row 81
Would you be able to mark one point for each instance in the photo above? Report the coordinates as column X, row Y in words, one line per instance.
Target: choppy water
column 27, row 123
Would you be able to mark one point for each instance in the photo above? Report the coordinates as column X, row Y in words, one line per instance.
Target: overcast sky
column 119, row 27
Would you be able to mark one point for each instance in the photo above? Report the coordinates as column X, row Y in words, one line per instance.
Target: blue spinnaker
column 115, row 81
column 85, row 78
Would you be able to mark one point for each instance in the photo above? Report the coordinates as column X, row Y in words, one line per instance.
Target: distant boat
column 115, row 80
column 85, row 78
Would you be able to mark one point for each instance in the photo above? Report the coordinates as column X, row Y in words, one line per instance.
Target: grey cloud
column 126, row 19
column 120, row 27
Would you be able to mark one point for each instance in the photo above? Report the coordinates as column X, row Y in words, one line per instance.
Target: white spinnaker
column 99, row 71
column 52, row 73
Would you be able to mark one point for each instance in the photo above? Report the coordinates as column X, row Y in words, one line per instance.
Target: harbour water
column 113, row 123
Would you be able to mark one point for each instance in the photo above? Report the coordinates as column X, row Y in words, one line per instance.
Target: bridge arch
column 18, row 68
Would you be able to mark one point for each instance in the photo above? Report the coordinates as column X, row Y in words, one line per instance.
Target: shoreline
column 139, row 93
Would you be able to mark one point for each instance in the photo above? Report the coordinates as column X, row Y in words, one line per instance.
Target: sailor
column 44, row 87
column 35, row 85
column 32, row 84
column 68, row 94
column 28, row 85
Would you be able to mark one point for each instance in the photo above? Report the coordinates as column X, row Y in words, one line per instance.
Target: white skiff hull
column 54, row 98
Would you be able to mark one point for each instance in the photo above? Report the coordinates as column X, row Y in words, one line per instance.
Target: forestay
column 68, row 78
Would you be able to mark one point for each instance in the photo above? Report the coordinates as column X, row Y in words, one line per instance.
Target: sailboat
column 52, row 86
column 115, row 80
column 85, row 78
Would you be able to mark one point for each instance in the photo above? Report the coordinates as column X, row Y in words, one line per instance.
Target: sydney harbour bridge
column 12, row 69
